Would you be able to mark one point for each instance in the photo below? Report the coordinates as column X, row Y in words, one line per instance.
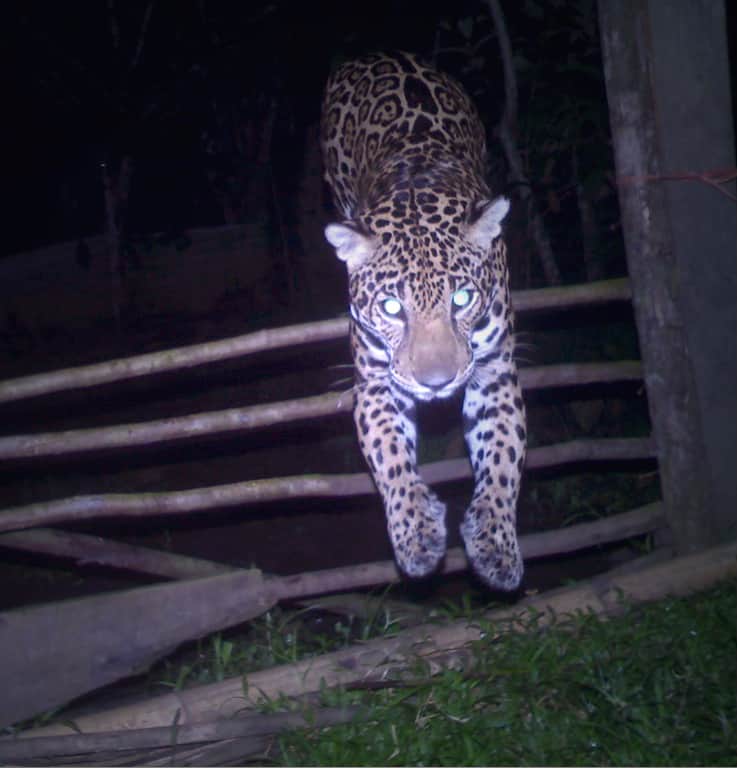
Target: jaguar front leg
column 386, row 431
column 494, row 425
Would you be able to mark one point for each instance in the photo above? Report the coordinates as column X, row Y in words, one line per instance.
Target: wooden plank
column 54, row 653
column 57, row 652
column 251, row 724
column 386, row 658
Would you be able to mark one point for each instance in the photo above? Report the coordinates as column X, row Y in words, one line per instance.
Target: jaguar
column 404, row 153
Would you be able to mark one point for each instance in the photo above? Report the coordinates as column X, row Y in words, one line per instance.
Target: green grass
column 280, row 636
column 655, row 686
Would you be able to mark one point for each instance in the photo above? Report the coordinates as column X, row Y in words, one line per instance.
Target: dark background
column 92, row 81
column 88, row 81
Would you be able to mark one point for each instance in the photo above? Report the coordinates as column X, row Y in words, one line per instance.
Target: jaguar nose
column 435, row 354
column 436, row 377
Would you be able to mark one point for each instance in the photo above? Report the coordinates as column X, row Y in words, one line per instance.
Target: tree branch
column 509, row 117
column 142, row 36
column 507, row 132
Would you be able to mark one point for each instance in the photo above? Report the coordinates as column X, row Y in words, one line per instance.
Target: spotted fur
column 404, row 152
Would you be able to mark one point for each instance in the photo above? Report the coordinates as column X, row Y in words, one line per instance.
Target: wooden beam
column 54, row 653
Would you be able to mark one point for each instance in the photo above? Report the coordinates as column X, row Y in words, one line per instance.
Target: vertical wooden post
column 696, row 135
column 653, row 268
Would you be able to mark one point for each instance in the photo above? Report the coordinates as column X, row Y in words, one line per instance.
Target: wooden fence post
column 653, row 269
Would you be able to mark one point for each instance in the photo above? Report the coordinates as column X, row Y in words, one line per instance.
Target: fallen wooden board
column 437, row 644
column 56, row 652
column 63, row 650
column 248, row 725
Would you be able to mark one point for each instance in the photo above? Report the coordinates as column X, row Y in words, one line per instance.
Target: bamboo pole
column 271, row 414
column 565, row 297
column 78, row 508
column 390, row 658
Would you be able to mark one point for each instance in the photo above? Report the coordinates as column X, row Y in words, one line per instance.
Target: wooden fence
column 21, row 520
column 129, row 630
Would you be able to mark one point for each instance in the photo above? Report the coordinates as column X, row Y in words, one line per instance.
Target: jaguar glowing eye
column 462, row 298
column 392, row 307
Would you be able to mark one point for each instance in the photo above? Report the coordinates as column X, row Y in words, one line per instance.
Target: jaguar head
column 419, row 291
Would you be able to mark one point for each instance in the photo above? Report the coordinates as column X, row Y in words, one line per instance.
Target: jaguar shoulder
column 404, row 152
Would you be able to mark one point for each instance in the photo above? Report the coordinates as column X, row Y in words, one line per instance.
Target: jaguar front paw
column 492, row 547
column 417, row 532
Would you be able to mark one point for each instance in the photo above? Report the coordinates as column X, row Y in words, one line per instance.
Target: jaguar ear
column 351, row 246
column 488, row 226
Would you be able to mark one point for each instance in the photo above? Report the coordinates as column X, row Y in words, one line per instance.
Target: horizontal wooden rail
column 439, row 644
column 564, row 297
column 572, row 296
column 608, row 530
column 294, row 487
column 80, row 645
column 270, row 414
column 174, row 428
column 94, row 550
